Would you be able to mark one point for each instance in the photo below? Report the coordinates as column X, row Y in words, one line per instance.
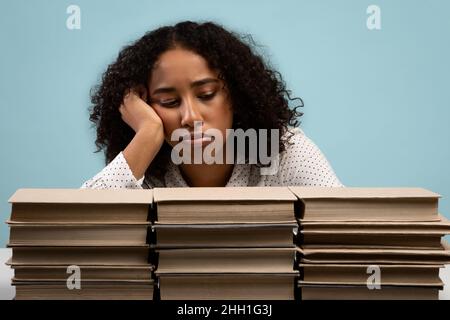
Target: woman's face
column 184, row 90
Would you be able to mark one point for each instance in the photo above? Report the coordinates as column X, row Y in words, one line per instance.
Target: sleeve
column 116, row 175
column 304, row 164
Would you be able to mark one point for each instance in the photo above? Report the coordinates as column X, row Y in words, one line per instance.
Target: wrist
column 154, row 131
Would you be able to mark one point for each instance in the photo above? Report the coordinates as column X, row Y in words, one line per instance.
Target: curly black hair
column 259, row 97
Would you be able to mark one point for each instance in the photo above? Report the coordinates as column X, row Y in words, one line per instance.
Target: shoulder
column 294, row 158
column 298, row 145
column 303, row 163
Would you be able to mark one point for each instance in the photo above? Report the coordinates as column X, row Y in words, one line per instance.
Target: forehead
column 179, row 65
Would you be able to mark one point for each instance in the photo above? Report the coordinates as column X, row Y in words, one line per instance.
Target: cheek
column 229, row 116
column 169, row 118
column 226, row 117
column 221, row 114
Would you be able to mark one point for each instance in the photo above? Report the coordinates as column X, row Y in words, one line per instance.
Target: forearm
column 142, row 149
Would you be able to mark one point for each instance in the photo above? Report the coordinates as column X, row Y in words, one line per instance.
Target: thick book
column 73, row 234
column 91, row 291
column 81, row 256
column 80, row 205
column 226, row 260
column 395, row 274
column 366, row 204
column 329, row 292
column 89, row 273
column 442, row 224
column 227, row 286
column 387, row 234
column 82, row 281
column 224, row 235
column 224, row 205
column 364, row 239
column 375, row 255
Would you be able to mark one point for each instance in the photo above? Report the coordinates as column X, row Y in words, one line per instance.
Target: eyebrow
column 194, row 84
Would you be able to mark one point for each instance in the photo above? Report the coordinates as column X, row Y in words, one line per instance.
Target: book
column 419, row 235
column 227, row 287
column 39, row 273
column 224, row 235
column 328, row 292
column 226, row 260
column 82, row 256
column 390, row 274
column 67, row 235
column 80, row 206
column 442, row 224
column 366, row 204
column 91, row 291
column 364, row 239
column 375, row 255
column 224, row 205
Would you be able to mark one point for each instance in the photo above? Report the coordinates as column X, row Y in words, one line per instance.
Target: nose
column 189, row 113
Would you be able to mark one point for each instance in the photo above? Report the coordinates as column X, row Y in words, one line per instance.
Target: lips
column 197, row 139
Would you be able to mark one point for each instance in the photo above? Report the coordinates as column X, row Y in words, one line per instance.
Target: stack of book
column 225, row 243
column 370, row 243
column 81, row 244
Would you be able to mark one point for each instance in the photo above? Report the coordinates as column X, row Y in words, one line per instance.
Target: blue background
column 376, row 102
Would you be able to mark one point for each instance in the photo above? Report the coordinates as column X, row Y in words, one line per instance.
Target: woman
column 197, row 77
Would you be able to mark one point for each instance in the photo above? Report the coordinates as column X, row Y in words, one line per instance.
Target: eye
column 169, row 103
column 207, row 96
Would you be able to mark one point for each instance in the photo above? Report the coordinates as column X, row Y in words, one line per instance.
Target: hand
column 138, row 114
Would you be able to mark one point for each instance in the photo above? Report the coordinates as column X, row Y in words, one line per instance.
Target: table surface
column 7, row 292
